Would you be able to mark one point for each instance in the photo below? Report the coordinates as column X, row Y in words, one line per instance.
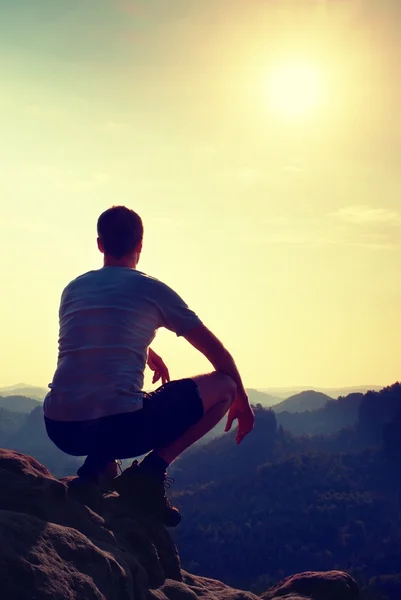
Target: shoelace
column 168, row 482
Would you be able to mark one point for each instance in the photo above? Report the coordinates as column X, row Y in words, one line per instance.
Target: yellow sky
column 277, row 220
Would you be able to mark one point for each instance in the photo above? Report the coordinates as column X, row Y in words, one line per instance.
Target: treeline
column 280, row 503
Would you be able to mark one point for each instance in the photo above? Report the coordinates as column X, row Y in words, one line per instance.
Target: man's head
column 120, row 232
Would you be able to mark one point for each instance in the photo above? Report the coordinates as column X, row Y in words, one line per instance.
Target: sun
column 294, row 89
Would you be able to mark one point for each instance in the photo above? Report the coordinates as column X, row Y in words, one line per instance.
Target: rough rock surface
column 329, row 585
column 61, row 543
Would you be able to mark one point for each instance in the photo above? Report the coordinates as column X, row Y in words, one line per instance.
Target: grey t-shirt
column 108, row 318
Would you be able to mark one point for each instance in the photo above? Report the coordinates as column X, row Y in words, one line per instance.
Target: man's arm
column 210, row 346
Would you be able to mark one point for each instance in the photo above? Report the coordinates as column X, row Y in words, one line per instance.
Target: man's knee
column 216, row 388
column 229, row 386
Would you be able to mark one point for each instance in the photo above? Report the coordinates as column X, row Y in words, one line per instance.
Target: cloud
column 293, row 167
column 361, row 215
column 115, row 126
column 301, row 232
column 15, row 225
column 246, row 175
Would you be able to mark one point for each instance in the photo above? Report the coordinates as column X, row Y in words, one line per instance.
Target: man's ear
column 100, row 245
column 139, row 247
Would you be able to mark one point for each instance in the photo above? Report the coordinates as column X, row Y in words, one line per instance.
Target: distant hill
column 258, row 397
column 333, row 392
column 255, row 398
column 24, row 389
column 10, row 423
column 329, row 418
column 31, row 438
column 19, row 404
column 308, row 400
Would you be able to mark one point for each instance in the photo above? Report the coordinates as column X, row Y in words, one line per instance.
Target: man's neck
column 110, row 261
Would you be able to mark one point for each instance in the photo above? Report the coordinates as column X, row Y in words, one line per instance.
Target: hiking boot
column 104, row 478
column 146, row 490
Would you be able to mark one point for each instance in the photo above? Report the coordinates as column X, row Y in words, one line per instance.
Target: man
column 96, row 406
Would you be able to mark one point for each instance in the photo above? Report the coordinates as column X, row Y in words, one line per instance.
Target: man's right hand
column 245, row 417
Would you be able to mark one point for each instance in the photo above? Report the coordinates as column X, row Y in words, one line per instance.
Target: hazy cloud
column 286, row 230
column 244, row 175
column 116, row 126
column 361, row 214
column 248, row 176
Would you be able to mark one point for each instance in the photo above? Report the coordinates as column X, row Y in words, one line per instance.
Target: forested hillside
column 282, row 503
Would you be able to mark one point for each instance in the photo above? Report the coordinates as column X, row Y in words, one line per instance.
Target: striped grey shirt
column 108, row 318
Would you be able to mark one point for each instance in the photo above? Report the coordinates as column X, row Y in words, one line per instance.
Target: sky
column 260, row 142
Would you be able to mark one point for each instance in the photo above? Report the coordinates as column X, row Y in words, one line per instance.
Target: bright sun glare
column 294, row 88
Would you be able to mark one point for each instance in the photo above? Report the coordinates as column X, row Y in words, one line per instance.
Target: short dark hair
column 120, row 230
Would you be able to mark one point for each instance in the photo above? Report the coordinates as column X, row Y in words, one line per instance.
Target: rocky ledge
column 60, row 544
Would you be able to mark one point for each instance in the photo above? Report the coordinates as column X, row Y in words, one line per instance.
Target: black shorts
column 167, row 413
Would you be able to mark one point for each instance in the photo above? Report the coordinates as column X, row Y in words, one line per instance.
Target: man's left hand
column 156, row 364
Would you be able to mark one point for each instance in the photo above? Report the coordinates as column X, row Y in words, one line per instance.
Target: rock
column 329, row 585
column 296, row 597
column 142, row 548
column 203, row 586
column 146, row 540
column 46, row 561
column 193, row 587
column 26, row 486
column 63, row 542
